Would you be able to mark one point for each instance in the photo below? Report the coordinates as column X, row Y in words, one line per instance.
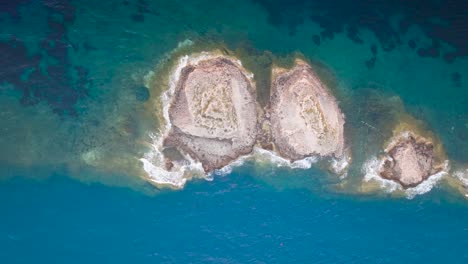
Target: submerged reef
column 305, row 117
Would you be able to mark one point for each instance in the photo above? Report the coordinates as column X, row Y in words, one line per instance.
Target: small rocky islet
column 410, row 159
column 214, row 118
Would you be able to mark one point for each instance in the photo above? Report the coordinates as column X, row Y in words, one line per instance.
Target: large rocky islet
column 213, row 113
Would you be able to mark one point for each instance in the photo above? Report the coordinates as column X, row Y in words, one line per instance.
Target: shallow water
column 73, row 105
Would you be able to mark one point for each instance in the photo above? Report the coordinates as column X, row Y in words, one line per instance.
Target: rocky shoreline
column 213, row 118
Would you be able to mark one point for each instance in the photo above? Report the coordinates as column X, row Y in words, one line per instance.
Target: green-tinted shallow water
column 73, row 105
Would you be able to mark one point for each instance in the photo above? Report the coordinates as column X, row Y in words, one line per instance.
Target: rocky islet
column 410, row 159
column 305, row 118
column 213, row 112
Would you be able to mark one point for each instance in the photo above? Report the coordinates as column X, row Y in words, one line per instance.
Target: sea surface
column 76, row 115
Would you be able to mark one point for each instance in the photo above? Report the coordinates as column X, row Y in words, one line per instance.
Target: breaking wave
column 370, row 170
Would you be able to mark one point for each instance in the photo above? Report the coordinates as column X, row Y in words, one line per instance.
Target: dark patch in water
column 353, row 34
column 316, row 39
column 370, row 63
column 142, row 8
column 139, row 18
column 142, row 93
column 88, row 47
column 52, row 83
column 456, row 79
column 327, row 34
column 412, row 44
column 11, row 7
column 440, row 20
column 432, row 51
column 450, row 57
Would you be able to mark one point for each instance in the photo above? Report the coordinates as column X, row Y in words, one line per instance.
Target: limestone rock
column 213, row 113
column 409, row 160
column 305, row 117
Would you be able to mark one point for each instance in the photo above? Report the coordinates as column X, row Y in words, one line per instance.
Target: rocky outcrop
column 409, row 160
column 214, row 111
column 304, row 116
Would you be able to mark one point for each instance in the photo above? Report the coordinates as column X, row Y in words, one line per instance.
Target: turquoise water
column 75, row 117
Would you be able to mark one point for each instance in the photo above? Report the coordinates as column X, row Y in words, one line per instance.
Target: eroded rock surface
column 213, row 113
column 409, row 160
column 305, row 117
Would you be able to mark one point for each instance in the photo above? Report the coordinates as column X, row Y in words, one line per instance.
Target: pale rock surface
column 305, row 117
column 213, row 112
column 409, row 160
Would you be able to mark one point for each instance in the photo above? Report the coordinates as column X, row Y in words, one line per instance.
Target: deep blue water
column 234, row 219
column 73, row 105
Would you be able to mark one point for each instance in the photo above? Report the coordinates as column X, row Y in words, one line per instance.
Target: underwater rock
column 305, row 117
column 370, row 63
column 316, row 39
column 412, row 44
column 214, row 111
column 409, row 160
column 142, row 94
column 450, row 57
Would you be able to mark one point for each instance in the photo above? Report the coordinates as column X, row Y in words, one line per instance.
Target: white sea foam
column 159, row 175
column 371, row 168
column 153, row 164
column 340, row 165
column 259, row 154
column 228, row 168
column 426, row 185
column 263, row 155
column 185, row 43
column 462, row 175
column 271, row 157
